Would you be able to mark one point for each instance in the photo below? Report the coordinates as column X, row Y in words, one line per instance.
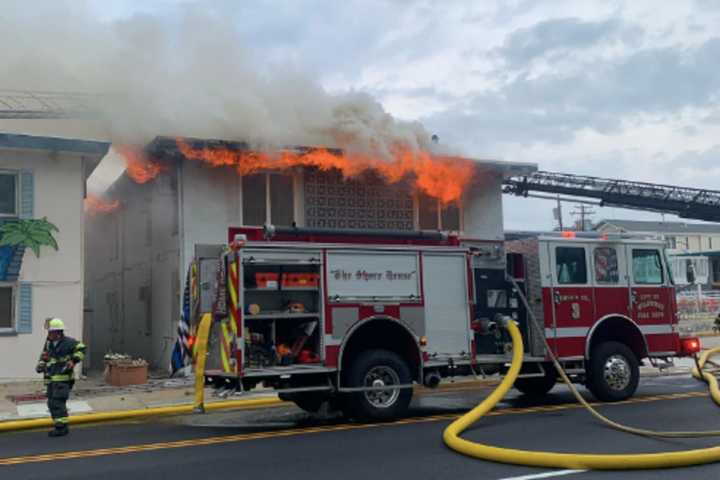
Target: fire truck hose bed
column 587, row 461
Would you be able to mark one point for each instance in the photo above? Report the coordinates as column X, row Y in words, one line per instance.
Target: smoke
column 188, row 72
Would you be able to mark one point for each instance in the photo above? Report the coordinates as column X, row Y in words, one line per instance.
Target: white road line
column 554, row 473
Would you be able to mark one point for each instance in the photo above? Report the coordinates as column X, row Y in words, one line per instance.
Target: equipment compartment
column 282, row 317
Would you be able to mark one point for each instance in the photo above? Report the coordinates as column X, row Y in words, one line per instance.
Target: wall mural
column 18, row 235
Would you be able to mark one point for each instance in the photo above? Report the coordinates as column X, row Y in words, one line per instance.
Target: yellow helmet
column 55, row 324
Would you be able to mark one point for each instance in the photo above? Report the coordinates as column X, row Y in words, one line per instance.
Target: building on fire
column 138, row 253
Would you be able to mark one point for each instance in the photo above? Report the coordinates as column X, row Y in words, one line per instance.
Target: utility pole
column 584, row 212
column 557, row 213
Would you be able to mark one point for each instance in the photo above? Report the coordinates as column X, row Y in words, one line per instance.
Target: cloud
column 562, row 35
column 701, row 160
column 603, row 96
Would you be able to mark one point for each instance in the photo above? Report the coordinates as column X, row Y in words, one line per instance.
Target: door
column 447, row 306
column 651, row 296
column 572, row 297
column 610, row 280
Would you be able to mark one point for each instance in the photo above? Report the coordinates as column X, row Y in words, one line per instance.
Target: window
column 606, row 265
column 268, row 198
column 647, row 267
column 254, row 203
column 715, row 270
column 281, row 200
column 671, row 243
column 570, row 265
column 434, row 216
column 8, row 194
column 6, row 307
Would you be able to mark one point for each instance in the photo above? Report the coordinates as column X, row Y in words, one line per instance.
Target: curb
column 16, row 425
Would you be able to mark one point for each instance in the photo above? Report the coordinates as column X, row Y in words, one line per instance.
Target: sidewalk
column 26, row 400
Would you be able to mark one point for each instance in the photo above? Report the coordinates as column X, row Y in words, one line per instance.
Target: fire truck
column 354, row 320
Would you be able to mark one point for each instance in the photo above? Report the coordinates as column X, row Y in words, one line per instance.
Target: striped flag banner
column 182, row 353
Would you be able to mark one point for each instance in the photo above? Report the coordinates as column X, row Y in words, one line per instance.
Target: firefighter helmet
column 56, row 324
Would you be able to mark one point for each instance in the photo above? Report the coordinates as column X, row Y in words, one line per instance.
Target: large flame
column 138, row 167
column 95, row 205
column 444, row 178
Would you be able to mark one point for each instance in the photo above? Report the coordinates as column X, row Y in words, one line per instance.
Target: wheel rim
column 617, row 372
column 379, row 377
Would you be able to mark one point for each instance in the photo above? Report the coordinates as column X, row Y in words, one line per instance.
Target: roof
column 167, row 148
column 13, row 140
column 661, row 227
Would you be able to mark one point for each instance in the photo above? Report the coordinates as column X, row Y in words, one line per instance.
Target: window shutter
column 24, row 316
column 27, row 194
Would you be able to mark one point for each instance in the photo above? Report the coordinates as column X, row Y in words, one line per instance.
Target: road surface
column 285, row 443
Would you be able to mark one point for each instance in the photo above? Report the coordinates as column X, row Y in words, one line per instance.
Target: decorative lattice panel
column 332, row 202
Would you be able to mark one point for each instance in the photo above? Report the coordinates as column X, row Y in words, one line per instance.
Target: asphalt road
column 284, row 442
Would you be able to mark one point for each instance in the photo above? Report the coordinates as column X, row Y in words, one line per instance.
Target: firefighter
column 57, row 363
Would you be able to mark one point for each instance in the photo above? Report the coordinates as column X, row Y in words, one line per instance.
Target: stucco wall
column 56, row 277
column 482, row 208
column 133, row 256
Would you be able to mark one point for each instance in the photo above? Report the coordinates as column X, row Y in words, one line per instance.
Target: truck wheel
column 378, row 368
column 614, row 372
column 538, row 386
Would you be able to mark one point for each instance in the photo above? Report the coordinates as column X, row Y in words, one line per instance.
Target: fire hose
column 585, row 461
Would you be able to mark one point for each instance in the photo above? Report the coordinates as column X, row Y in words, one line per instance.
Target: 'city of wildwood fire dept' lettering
column 371, row 276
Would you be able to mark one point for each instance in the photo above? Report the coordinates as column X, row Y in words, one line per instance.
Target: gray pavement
column 284, row 442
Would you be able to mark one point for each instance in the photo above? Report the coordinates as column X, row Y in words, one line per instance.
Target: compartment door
column 446, row 305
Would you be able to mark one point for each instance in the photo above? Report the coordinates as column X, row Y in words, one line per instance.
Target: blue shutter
column 27, row 194
column 24, row 316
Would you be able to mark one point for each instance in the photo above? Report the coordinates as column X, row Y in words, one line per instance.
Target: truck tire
column 613, row 373
column 377, row 368
column 538, row 386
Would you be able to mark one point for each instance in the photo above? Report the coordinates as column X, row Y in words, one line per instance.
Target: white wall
column 482, row 208
column 133, row 275
column 57, row 277
column 211, row 202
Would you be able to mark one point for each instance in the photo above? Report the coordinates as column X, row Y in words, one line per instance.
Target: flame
column 444, row 178
column 138, row 166
column 95, row 205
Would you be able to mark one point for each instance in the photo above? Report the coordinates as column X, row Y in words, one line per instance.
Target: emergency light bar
column 602, row 235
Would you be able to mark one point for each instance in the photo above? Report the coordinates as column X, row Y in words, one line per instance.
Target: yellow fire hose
column 584, row 461
column 701, row 374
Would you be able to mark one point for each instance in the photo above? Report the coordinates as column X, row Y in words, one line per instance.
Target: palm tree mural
column 17, row 235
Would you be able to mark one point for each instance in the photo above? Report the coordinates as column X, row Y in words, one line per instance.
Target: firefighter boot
column 60, row 430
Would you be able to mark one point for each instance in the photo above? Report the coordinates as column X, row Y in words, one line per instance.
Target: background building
column 42, row 177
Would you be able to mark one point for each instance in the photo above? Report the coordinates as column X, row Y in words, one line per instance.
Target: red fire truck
column 355, row 319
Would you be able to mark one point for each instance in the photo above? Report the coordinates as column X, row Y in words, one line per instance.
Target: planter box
column 119, row 375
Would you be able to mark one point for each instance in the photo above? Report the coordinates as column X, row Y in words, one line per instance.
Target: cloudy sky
column 613, row 88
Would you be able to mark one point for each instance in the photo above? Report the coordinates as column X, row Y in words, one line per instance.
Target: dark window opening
column 281, row 200
column 6, row 308
column 254, row 201
column 449, row 218
column 571, row 268
column 8, row 194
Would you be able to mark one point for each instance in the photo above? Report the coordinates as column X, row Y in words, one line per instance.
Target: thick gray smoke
column 184, row 74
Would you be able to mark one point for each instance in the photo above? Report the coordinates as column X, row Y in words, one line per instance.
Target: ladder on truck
column 685, row 202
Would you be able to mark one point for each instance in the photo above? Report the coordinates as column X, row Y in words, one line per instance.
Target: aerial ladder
column 685, row 202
